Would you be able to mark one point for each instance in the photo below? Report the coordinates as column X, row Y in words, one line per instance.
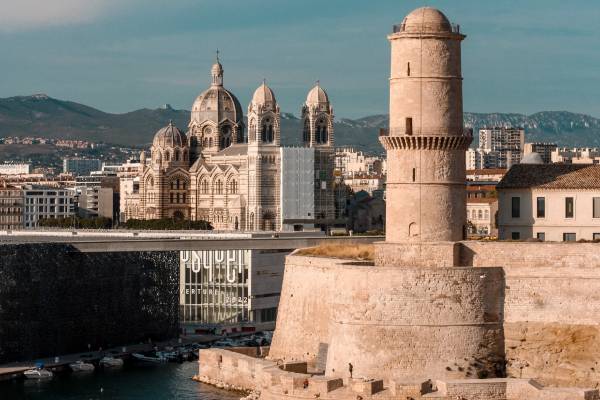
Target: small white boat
column 80, row 366
column 111, row 362
column 38, row 373
column 141, row 357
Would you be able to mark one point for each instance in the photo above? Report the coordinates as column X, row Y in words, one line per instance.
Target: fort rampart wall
column 550, row 307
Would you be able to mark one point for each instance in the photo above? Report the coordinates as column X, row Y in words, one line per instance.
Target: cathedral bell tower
column 317, row 133
column 264, row 131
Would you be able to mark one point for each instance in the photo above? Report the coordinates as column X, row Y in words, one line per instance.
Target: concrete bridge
column 128, row 241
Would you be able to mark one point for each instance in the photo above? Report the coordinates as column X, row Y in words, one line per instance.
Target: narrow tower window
column 409, row 130
column 408, row 69
column 414, row 174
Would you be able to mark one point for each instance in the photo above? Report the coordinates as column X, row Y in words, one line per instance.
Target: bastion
column 431, row 315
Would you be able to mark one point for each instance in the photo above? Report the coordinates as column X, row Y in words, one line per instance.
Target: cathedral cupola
column 216, row 120
column 317, row 116
column 263, row 117
column 169, row 147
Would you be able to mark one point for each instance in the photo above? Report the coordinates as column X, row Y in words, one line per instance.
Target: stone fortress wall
column 550, row 307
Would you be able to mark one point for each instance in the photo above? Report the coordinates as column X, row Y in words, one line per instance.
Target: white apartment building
column 481, row 216
column 81, row 166
column 584, row 155
column 349, row 162
column 44, row 202
column 545, row 150
column 500, row 147
column 552, row 202
column 15, row 169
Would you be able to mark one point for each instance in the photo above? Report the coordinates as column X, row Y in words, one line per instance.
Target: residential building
column 368, row 183
column 365, row 212
column 490, row 175
column 81, row 166
column 545, row 150
column 499, row 147
column 349, row 162
column 46, row 202
column 11, row 207
column 481, row 216
column 584, row 155
column 15, row 169
column 554, row 202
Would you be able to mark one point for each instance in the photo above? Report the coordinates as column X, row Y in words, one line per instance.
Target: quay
column 15, row 370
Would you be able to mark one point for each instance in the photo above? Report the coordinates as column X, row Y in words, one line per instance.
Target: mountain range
column 43, row 116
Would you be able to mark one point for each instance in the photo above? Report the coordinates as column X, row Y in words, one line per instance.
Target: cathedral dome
column 216, row 103
column 263, row 95
column 317, row 96
column 426, row 19
column 169, row 136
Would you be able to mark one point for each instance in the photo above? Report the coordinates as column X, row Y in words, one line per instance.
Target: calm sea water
column 153, row 382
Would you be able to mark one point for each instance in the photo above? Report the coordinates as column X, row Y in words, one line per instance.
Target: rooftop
column 552, row 176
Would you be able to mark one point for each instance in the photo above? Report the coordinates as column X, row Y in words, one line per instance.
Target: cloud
column 25, row 15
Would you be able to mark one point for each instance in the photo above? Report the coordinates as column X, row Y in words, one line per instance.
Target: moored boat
column 38, row 373
column 157, row 360
column 111, row 362
column 80, row 366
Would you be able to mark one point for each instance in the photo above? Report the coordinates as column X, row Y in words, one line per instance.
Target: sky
column 122, row 55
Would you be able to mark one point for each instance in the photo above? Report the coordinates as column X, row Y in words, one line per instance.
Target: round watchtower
column 426, row 141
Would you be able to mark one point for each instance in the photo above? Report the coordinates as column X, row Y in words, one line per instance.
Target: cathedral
column 218, row 173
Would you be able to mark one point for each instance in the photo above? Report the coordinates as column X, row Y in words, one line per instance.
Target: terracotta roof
column 552, row 176
column 487, row 171
column 480, row 200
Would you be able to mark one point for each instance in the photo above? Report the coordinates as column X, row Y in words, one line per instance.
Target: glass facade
column 214, row 286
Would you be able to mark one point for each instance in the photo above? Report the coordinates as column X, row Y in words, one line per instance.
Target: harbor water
column 132, row 382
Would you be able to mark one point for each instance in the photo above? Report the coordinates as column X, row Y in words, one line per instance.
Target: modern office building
column 44, row 202
column 231, row 287
column 81, row 166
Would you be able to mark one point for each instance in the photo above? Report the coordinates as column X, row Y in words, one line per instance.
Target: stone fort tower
column 426, row 142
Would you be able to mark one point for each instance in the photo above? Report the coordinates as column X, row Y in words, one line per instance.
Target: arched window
column 480, row 214
column 210, row 142
column 252, row 131
column 233, row 186
column 219, row 187
column 204, row 187
column 306, row 131
column 251, row 222
column 177, row 155
column 486, row 214
column 167, row 156
column 321, row 132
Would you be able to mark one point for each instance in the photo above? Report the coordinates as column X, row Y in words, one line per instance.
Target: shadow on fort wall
column 56, row 300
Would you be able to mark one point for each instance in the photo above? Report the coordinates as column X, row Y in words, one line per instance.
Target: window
column 515, row 235
column 541, row 207
column 409, row 130
column 516, row 207
column 541, row 236
column 408, row 69
column 569, row 237
column 596, row 206
column 596, row 236
column 569, row 207
column 414, row 174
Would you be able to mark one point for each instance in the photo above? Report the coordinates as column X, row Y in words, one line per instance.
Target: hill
column 41, row 115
